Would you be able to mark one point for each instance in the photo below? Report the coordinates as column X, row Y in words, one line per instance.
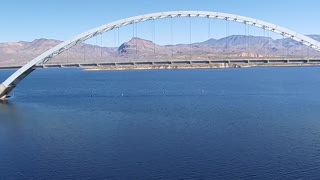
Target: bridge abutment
column 3, row 92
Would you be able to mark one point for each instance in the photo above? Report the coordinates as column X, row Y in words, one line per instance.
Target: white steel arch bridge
column 11, row 82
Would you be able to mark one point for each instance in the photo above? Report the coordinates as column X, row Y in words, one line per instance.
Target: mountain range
column 137, row 49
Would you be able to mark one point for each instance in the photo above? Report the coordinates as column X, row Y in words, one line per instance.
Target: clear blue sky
column 62, row 19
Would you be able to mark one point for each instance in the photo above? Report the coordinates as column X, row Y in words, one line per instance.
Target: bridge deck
column 175, row 62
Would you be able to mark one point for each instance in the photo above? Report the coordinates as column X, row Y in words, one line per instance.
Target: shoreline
column 195, row 66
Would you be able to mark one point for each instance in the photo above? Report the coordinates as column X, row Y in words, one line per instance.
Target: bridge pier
column 4, row 91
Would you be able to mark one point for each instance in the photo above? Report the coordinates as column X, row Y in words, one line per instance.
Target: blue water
column 255, row 123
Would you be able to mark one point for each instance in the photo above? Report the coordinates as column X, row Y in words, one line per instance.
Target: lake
column 246, row 123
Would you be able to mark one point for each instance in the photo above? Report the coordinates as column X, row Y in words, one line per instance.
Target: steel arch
column 10, row 83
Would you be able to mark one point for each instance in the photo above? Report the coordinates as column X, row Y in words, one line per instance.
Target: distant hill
column 235, row 46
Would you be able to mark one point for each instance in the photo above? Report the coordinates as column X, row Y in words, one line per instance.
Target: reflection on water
column 9, row 113
column 257, row 123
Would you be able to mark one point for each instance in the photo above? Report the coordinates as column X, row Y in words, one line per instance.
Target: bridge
column 137, row 64
column 40, row 62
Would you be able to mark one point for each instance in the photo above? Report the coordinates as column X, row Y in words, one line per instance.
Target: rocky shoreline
column 194, row 66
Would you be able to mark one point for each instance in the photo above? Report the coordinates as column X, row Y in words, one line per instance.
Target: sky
column 26, row 20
